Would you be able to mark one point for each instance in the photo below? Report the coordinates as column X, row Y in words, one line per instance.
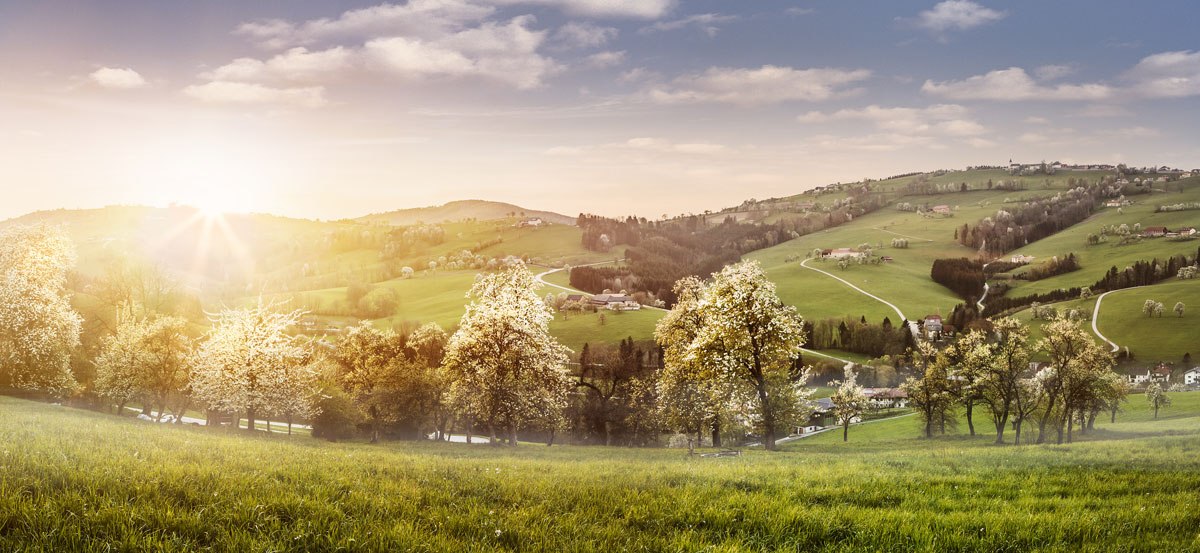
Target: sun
column 214, row 173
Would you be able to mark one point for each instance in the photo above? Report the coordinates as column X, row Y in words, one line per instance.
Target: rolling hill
column 481, row 210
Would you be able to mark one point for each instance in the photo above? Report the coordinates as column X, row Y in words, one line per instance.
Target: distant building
column 1154, row 232
column 531, row 222
column 1192, row 377
column 1019, row 258
column 616, row 302
column 933, row 326
column 841, row 252
column 941, row 209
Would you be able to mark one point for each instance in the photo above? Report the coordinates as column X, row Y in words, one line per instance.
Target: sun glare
column 215, row 174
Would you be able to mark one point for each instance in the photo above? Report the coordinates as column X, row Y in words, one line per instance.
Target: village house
column 1192, row 377
column 886, row 398
column 1160, row 374
column 839, row 253
column 1019, row 258
column 1187, row 231
column 941, row 209
column 616, row 302
column 1116, row 203
column 1154, row 232
column 531, row 222
column 933, row 326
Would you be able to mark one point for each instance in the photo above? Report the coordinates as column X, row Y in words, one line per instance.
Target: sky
column 651, row 107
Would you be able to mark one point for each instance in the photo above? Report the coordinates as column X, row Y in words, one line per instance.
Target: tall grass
column 72, row 480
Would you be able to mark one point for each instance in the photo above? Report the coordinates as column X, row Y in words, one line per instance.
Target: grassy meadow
column 76, row 480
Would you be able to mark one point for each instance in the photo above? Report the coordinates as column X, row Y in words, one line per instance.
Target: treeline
column 1141, row 273
column 1054, row 267
column 1032, row 221
column 859, row 336
column 659, row 253
column 963, row 276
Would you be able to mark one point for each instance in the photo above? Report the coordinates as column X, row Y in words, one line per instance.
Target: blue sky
column 321, row 109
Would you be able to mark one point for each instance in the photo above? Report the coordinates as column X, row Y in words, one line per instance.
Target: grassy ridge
column 75, row 480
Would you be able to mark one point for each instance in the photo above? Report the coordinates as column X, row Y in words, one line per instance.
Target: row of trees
column 1032, row 221
column 995, row 373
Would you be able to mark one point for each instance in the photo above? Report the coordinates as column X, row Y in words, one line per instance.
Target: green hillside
column 99, row 482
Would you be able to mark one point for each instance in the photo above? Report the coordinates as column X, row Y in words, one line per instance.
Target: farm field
column 177, row 489
column 1150, row 339
column 1095, row 260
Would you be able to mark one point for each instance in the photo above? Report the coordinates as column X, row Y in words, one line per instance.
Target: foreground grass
column 73, row 480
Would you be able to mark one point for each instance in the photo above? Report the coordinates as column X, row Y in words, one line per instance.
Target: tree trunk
column 512, row 435
column 846, row 432
column 1070, row 427
column 492, row 430
column 768, row 415
column 1017, row 433
column 1156, row 410
column 1114, row 413
column 374, row 424
column 1000, row 424
column 928, row 427
column 970, row 421
column 607, row 432
column 550, row 442
column 716, row 432
column 289, row 421
column 250, row 420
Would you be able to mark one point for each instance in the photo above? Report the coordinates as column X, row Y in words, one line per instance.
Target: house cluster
column 1021, row 258
column 1160, row 374
column 838, row 253
column 614, row 302
column 1158, row 232
column 941, row 209
column 1121, row 202
column 877, row 399
column 530, row 222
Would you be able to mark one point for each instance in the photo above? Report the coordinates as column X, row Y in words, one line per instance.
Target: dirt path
column 912, row 325
column 1096, row 318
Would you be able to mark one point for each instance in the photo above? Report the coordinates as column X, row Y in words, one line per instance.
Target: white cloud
column 1052, row 72
column 794, row 11
column 601, row 60
column 946, row 119
column 706, row 22
column 765, row 85
column 1013, row 84
column 120, row 78
column 505, row 53
column 416, row 18
column 584, row 35
column 296, row 64
column 957, row 15
column 633, row 9
column 250, row 93
column 418, row 40
column 1166, row 75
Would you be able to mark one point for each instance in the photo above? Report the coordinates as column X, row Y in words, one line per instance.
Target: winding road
column 1096, row 317
column 541, row 277
column 912, row 325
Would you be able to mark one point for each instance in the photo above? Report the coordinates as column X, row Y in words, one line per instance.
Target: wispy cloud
column 768, row 84
column 706, row 22
column 223, row 92
column 117, row 77
column 584, row 35
column 632, row 9
column 1013, row 84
